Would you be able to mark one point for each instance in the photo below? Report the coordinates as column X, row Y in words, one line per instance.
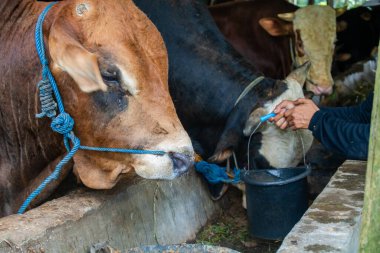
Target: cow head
column 313, row 28
column 276, row 143
column 111, row 67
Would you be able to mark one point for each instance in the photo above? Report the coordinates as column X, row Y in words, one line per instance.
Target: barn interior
column 206, row 209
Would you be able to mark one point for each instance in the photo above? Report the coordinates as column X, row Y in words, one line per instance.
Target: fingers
column 279, row 119
column 301, row 101
column 284, row 125
column 289, row 113
column 293, row 125
column 296, row 123
column 284, row 105
column 278, row 116
column 294, row 114
column 280, row 122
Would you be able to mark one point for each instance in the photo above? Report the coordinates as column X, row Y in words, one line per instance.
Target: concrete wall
column 145, row 213
column 332, row 223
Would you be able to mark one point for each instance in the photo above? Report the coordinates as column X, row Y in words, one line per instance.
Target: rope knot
column 48, row 105
column 63, row 123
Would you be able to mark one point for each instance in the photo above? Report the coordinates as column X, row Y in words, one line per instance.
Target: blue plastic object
column 268, row 116
column 216, row 174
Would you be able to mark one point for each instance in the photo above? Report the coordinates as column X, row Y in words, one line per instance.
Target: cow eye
column 110, row 77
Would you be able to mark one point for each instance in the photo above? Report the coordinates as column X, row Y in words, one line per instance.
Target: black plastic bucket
column 276, row 200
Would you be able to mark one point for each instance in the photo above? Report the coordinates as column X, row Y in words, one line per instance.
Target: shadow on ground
column 230, row 228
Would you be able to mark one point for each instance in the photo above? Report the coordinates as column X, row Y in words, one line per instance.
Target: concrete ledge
column 146, row 213
column 332, row 223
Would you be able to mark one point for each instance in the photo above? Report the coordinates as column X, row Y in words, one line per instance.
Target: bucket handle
column 286, row 181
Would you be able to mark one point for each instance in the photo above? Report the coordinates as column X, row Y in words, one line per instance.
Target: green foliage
column 221, row 233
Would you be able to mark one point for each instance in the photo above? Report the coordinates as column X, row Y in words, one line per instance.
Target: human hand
column 300, row 115
column 280, row 110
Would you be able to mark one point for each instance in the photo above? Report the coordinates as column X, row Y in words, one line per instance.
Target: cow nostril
column 324, row 91
column 181, row 162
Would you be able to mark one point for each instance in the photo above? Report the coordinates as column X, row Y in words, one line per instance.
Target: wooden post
column 370, row 230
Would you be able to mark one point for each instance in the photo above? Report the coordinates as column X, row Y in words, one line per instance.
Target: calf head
column 111, row 67
column 313, row 28
column 280, row 148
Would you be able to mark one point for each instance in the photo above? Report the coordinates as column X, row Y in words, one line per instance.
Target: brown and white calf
column 111, row 67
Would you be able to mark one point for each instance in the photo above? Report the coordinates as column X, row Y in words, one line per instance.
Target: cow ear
column 300, row 74
column 276, row 27
column 227, row 143
column 253, row 120
column 71, row 57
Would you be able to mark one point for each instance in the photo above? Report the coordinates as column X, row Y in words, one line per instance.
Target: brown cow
column 111, row 67
column 262, row 32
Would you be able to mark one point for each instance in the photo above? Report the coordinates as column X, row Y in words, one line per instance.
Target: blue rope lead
column 54, row 175
column 63, row 123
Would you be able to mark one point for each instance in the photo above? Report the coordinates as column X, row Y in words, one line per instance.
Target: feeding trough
column 132, row 214
column 183, row 248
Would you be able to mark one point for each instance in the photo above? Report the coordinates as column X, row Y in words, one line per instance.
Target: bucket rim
column 300, row 176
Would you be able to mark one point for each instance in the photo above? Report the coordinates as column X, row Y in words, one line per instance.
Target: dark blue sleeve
column 342, row 136
column 359, row 113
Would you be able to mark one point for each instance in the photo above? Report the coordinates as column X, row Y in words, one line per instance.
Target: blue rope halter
column 63, row 123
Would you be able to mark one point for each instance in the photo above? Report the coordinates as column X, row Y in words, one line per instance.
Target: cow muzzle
column 318, row 90
column 176, row 162
column 181, row 162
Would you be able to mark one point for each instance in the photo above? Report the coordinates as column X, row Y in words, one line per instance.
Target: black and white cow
column 206, row 76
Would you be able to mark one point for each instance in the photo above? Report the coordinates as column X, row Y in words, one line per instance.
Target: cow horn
column 289, row 16
column 340, row 11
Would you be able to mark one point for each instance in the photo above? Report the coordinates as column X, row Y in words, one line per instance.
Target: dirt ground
column 230, row 229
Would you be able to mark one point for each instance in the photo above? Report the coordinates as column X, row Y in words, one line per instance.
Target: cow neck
column 20, row 157
column 18, row 54
column 11, row 7
column 13, row 11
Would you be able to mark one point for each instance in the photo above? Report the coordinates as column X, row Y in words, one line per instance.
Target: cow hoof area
column 217, row 190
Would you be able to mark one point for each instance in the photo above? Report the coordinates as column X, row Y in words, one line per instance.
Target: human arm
column 342, row 136
column 360, row 113
column 347, row 138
